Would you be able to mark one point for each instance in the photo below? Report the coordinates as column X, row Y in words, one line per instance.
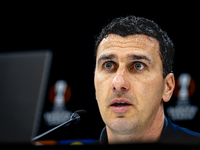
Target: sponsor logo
column 59, row 95
column 184, row 89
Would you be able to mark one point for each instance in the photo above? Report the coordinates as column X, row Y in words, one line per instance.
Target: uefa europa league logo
column 59, row 95
column 184, row 89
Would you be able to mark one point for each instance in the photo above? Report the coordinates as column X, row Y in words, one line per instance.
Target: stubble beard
column 122, row 125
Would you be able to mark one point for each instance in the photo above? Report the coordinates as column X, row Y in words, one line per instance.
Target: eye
column 138, row 66
column 109, row 65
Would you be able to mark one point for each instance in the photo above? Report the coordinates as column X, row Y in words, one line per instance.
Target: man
column 133, row 77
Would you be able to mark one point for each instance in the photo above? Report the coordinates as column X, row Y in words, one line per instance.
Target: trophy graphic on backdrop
column 184, row 89
column 59, row 95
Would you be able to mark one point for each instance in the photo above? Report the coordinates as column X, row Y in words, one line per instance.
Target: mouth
column 120, row 105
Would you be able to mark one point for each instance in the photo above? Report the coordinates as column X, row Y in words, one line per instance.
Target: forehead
column 139, row 42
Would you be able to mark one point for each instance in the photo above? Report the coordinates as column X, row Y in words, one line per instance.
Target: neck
column 149, row 133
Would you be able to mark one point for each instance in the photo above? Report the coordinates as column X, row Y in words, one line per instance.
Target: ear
column 169, row 87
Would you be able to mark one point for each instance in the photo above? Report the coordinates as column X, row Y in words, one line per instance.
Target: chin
column 122, row 125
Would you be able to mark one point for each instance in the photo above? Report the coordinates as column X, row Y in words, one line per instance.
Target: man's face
column 129, row 81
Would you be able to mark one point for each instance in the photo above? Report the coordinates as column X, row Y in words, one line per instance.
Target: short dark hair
column 131, row 25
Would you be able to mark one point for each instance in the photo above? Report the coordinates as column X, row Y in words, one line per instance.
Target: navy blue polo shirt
column 171, row 133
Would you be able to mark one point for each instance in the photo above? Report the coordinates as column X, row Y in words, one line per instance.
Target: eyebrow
column 130, row 57
column 106, row 57
column 139, row 57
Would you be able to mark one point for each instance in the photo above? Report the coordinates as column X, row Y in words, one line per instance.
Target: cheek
column 102, row 87
column 148, row 94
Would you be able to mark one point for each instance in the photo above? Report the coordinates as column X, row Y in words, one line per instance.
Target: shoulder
column 177, row 134
column 186, row 132
column 182, row 132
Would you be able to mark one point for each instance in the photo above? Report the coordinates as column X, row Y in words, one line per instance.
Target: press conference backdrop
column 71, row 87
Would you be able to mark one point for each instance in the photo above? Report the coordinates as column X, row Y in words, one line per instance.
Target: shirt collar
column 165, row 125
column 103, row 137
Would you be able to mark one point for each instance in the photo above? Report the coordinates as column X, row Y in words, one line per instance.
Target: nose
column 120, row 83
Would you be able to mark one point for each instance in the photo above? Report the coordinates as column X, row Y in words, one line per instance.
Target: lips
column 120, row 105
